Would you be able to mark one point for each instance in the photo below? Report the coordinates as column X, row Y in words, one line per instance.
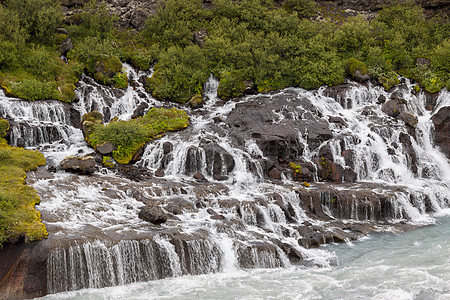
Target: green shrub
column 33, row 89
column 39, row 61
column 39, row 18
column 175, row 21
column 8, row 55
column 96, row 21
column 231, row 85
column 179, row 74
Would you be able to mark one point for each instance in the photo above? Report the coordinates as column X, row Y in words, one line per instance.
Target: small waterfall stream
column 237, row 214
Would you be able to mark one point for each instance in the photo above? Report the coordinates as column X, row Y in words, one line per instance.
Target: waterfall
column 230, row 195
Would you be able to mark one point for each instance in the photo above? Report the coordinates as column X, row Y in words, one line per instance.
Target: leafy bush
column 39, row 18
column 95, row 21
column 231, row 85
column 33, row 89
column 179, row 74
column 175, row 21
column 40, row 62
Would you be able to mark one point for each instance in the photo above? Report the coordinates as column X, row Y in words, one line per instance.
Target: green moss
column 130, row 136
column 108, row 162
column 416, row 88
column 120, row 80
column 106, row 68
column 4, row 126
column 18, row 217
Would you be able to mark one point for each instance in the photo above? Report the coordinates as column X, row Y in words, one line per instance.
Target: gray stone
column 152, row 213
column 81, row 165
column 106, row 148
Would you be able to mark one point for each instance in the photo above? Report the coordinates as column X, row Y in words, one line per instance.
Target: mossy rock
column 120, row 80
column 89, row 121
column 106, row 68
column 358, row 70
column 130, row 136
column 389, row 81
column 4, row 127
column 93, row 116
column 196, row 101
column 108, row 162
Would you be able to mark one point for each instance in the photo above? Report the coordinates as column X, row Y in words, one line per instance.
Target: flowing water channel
column 256, row 242
column 412, row 265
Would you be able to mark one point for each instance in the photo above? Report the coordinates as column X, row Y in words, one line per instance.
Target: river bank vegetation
column 270, row 44
column 18, row 218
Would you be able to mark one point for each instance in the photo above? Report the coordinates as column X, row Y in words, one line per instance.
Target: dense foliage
column 270, row 43
column 275, row 46
column 130, row 136
column 18, row 218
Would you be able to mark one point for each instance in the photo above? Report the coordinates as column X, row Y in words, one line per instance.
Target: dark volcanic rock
column 140, row 110
column 441, row 121
column 219, row 162
column 134, row 173
column 408, row 148
column 278, row 137
column 409, row 119
column 393, row 107
column 66, row 46
column 23, row 270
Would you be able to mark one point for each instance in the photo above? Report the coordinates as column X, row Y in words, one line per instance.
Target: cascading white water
column 261, row 218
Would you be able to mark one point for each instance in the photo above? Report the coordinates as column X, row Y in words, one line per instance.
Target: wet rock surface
column 80, row 165
column 441, row 121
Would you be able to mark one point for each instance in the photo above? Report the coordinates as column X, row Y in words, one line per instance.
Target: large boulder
column 81, row 165
column 393, row 107
column 89, row 120
column 441, row 121
column 152, row 213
